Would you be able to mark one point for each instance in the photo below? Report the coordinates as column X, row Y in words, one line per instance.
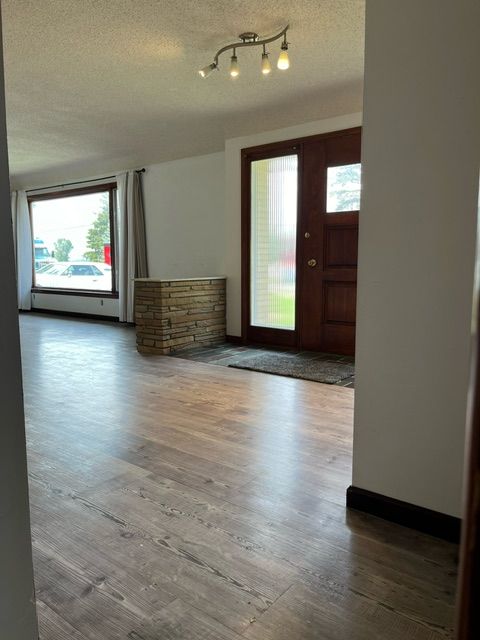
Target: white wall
column 17, row 597
column 420, row 164
column 107, row 307
column 184, row 208
column 233, row 147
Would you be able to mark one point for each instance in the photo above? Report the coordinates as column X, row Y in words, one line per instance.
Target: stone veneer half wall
column 179, row 314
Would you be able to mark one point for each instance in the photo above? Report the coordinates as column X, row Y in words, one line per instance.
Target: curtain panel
column 132, row 251
column 22, row 234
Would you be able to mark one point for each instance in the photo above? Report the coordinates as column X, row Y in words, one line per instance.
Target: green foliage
column 98, row 235
column 62, row 248
column 347, row 190
column 284, row 305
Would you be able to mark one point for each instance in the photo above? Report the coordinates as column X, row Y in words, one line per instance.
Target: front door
column 329, row 244
column 300, row 204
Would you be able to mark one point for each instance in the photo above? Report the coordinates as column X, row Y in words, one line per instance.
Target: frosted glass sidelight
column 273, row 238
column 343, row 188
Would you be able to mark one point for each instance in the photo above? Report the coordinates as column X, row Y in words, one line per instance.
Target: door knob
column 312, row 262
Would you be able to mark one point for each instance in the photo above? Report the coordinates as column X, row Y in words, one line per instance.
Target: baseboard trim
column 234, row 339
column 73, row 314
column 409, row 515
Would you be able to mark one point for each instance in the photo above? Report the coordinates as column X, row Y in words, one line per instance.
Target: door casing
column 264, row 335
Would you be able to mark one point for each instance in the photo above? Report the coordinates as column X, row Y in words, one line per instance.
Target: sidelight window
column 273, row 237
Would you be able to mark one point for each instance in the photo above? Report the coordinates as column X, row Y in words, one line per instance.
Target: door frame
column 261, row 335
column 467, row 625
column 264, row 335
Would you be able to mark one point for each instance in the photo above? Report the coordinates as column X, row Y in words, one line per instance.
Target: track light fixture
column 251, row 39
column 266, row 66
column 283, row 60
column 234, row 68
column 206, row 71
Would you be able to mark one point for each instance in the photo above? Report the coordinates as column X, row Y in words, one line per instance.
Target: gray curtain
column 132, row 248
column 141, row 265
column 22, row 233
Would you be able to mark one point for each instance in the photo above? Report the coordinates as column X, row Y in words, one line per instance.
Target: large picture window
column 74, row 240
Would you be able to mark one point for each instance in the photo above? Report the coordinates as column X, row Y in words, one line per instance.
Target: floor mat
column 294, row 366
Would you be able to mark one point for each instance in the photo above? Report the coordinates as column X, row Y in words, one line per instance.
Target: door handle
column 312, row 262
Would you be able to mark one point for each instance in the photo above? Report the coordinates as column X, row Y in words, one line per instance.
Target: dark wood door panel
column 339, row 339
column 340, row 246
column 310, row 243
column 330, row 240
column 342, row 149
column 267, row 335
column 339, row 302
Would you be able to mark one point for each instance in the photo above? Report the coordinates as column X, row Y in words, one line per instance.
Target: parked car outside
column 75, row 275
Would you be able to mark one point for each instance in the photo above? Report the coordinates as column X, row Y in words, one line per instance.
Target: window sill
column 76, row 292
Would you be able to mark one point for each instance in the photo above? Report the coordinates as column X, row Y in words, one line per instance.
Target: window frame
column 342, row 211
column 109, row 187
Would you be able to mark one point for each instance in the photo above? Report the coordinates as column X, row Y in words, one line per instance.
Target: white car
column 76, row 275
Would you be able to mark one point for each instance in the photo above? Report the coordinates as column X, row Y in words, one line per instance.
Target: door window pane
column 273, row 242
column 343, row 188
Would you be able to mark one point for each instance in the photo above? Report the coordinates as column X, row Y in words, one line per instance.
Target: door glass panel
column 273, row 238
column 343, row 188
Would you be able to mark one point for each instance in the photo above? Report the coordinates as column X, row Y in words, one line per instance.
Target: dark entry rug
column 294, row 366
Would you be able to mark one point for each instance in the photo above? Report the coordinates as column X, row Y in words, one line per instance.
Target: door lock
column 312, row 262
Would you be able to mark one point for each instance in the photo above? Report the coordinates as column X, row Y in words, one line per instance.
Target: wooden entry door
column 329, row 244
column 300, row 207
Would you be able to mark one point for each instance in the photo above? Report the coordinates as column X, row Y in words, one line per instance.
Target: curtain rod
column 70, row 184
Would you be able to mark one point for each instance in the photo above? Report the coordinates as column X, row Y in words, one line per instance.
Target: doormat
column 294, row 366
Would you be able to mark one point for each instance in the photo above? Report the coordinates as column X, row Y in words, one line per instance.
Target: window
column 343, row 188
column 73, row 247
column 273, row 242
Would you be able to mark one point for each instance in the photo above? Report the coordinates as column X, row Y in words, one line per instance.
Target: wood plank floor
column 177, row 500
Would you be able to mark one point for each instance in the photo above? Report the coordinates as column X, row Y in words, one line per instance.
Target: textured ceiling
column 96, row 85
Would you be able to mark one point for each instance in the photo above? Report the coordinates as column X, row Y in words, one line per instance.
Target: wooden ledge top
column 179, row 279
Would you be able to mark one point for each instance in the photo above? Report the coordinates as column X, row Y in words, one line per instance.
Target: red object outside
column 107, row 255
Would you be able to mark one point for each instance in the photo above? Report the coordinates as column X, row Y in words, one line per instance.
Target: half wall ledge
column 179, row 313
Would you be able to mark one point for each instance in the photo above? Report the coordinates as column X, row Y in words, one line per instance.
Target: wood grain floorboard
column 173, row 499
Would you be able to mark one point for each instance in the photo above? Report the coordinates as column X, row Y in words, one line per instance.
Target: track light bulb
column 234, row 68
column 266, row 66
column 283, row 61
column 206, row 71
